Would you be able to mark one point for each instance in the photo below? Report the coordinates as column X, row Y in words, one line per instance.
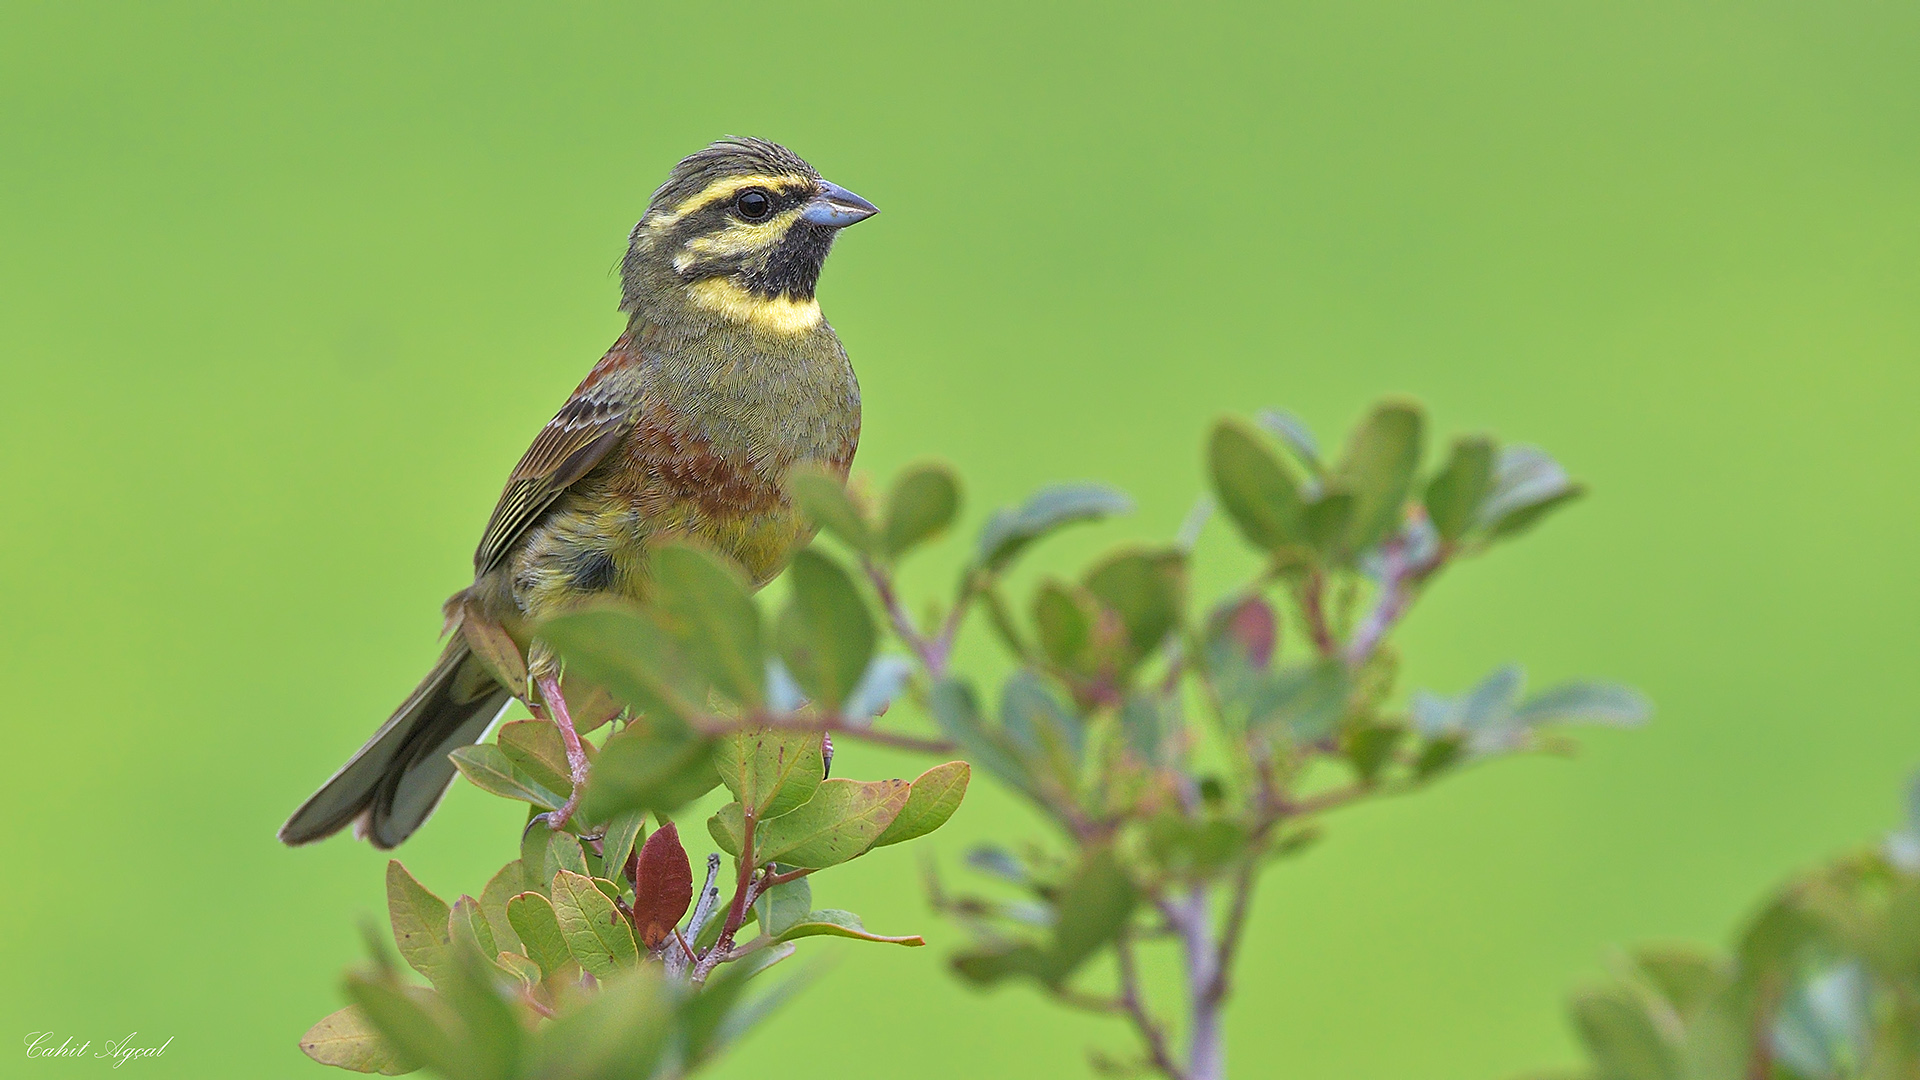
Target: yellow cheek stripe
column 721, row 189
column 778, row 314
column 737, row 239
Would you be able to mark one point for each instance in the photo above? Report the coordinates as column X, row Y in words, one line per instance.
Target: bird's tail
column 392, row 784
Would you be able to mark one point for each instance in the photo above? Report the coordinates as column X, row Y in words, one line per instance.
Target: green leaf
column 1294, row 432
column 1092, row 910
column 490, row 1032
column 1194, row 848
column 1008, row 532
column 1527, row 485
column 521, row 968
column 348, row 1040
column 989, row 965
column 771, row 770
column 1036, row 722
column 783, row 905
column 617, row 1034
column 957, row 713
column 534, row 921
column 497, row 652
column 1584, row 702
column 827, row 635
column 417, row 1024
column 1327, row 521
column 932, row 799
column 715, row 1016
column 1687, row 979
column 492, row 771
column 1064, row 620
column 923, row 503
column 840, row 822
column 506, row 884
column 1305, row 702
column 537, row 748
column 822, row 496
column 704, row 603
column 564, row 853
column 630, row 654
column 1622, row 1039
column 596, row 933
column 1254, row 487
column 419, row 923
column 1146, row 587
column 643, row 767
column 624, row 830
column 467, row 923
column 837, row 923
column 1383, row 454
column 1455, row 492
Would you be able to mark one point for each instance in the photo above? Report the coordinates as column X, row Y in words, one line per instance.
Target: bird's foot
column 556, row 705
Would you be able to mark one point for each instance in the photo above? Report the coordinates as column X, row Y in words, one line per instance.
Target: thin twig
column 1150, row 1030
column 770, row 880
column 1085, row 1002
column 1232, row 929
column 909, row 634
column 1315, row 614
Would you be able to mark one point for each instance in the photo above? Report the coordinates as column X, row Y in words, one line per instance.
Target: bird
column 726, row 378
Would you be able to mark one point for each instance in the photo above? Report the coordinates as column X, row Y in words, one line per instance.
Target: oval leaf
column 596, row 933
column 1010, row 531
column 922, row 504
column 932, row 799
column 822, row 496
column 1383, row 454
column 703, row 602
column 347, row 1039
column 1254, row 487
column 491, row 770
column 1455, row 492
column 828, row 635
column 771, row 770
column 419, row 923
column 539, row 931
column 839, row 923
column 632, row 656
column 663, row 888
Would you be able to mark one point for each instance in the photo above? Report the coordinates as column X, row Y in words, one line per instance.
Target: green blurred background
column 285, row 289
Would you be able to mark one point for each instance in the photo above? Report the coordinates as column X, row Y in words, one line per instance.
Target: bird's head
column 739, row 231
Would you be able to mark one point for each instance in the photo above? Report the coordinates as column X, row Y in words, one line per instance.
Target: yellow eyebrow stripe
column 723, row 188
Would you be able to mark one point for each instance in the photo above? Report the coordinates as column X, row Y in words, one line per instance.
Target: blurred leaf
column 1254, row 487
column 1194, row 848
column 1144, row 726
column 840, row 822
column 1590, row 702
column 416, row 1024
column 1456, row 491
column 539, row 930
column 837, row 923
column 822, row 496
column 537, row 748
column 1064, row 620
column 827, row 635
column 1686, row 979
column 1250, row 627
column 989, row 965
column 922, row 504
column 497, row 652
column 958, row 715
column 883, row 681
column 1327, row 521
column 772, row 770
column 1305, row 702
column 506, row 884
column 1092, row 909
column 596, row 934
column 488, row 768
column 1436, row 754
column 489, row 1031
column 624, row 830
column 633, row 657
column 419, row 923
column 999, row 862
column 663, row 889
column 1382, row 456
column 741, row 1017
column 1010, row 531
column 1369, row 747
column 932, row 799
column 1622, row 1038
column 347, row 1039
column 1146, row 587
column 617, row 1034
column 1527, row 484
column 1294, row 432
column 591, row 705
column 1036, row 721
column 642, row 767
column 703, row 602
column 783, row 905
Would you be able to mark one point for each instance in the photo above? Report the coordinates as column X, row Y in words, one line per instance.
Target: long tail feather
column 392, row 784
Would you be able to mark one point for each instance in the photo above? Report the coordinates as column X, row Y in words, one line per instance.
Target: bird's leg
column 576, row 756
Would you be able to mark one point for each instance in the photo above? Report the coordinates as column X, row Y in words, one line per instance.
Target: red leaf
column 1251, row 625
column 663, row 886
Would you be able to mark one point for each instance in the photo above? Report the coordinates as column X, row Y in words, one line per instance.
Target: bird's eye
column 753, row 204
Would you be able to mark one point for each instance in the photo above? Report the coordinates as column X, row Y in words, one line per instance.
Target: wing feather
column 601, row 411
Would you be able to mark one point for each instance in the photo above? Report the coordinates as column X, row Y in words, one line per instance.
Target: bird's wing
column 602, row 410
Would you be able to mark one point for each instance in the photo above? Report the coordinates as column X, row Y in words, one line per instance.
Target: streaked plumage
column 726, row 378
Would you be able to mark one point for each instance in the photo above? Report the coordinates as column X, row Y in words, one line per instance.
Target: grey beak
column 836, row 207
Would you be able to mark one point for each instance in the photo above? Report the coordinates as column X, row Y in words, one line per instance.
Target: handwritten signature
column 43, row 1044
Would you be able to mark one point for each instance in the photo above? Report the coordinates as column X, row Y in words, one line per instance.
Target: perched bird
column 726, row 378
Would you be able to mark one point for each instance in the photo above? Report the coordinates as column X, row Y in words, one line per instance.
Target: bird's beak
column 836, row 207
